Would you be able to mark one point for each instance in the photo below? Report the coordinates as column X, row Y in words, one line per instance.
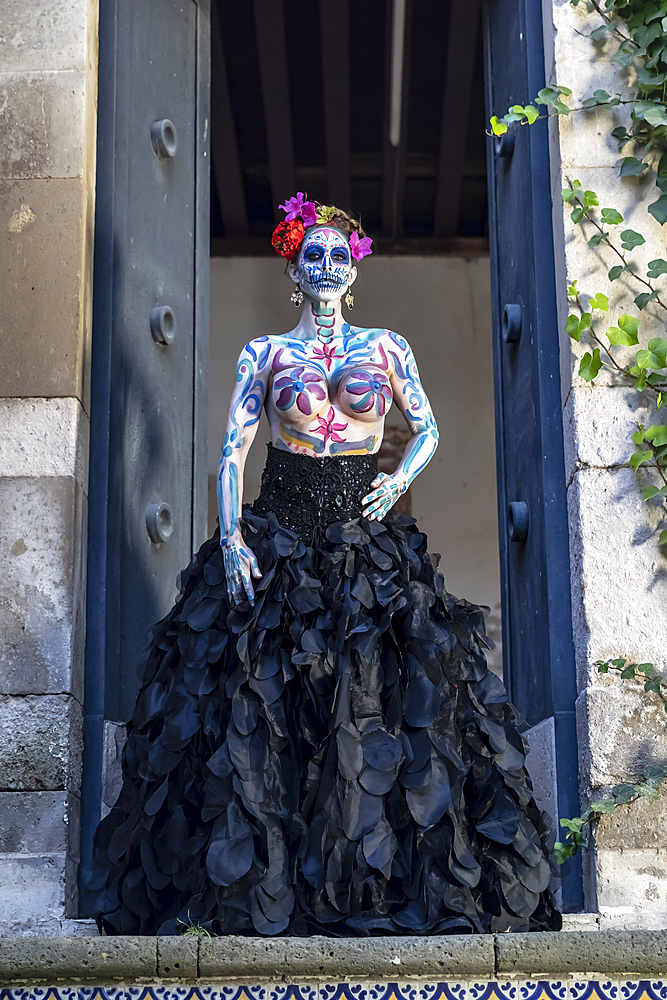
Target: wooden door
column 538, row 652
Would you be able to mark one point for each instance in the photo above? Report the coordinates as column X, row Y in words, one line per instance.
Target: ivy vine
column 639, row 30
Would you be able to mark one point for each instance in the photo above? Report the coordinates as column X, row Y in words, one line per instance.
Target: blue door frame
column 538, row 650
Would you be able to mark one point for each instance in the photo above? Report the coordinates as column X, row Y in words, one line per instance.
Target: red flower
column 288, row 237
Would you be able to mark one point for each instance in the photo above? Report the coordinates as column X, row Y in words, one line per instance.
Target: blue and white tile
column 594, row 989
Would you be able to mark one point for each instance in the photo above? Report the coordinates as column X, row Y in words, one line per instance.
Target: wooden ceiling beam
column 335, row 42
column 272, row 53
column 224, row 146
column 398, row 27
column 464, row 20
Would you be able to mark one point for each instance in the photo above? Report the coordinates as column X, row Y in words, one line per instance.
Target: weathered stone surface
column 619, row 575
column 640, row 824
column 40, row 743
column 598, row 424
column 42, row 127
column 44, row 277
column 634, row 881
column 33, row 822
column 349, row 958
column 48, row 35
column 78, row 960
column 621, row 731
column 42, row 588
column 541, row 764
column 32, row 886
column 44, row 437
column 177, row 958
column 632, row 918
column 606, row 952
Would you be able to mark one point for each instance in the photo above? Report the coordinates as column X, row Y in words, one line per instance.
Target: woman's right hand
column 240, row 567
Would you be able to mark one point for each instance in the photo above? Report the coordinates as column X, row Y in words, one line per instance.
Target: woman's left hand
column 388, row 489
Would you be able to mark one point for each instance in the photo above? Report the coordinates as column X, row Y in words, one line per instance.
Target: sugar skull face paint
column 325, row 267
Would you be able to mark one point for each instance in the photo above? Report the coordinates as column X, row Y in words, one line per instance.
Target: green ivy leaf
column 577, row 215
column 656, row 115
column 572, row 289
column 615, row 272
column 565, row 91
column 596, row 239
column 632, row 167
column 568, row 194
column 573, row 327
column 630, row 239
column 658, row 209
column 623, row 793
column 590, row 102
column 498, row 127
column 590, row 365
column 611, row 217
column 656, row 434
column 640, row 458
column 601, row 96
column 590, row 199
column 658, row 346
column 643, row 299
column 603, row 806
column 657, row 267
column 628, row 673
column 532, row 114
column 548, row 95
column 620, row 338
column 599, row 301
column 561, row 108
column 639, row 436
column 661, row 174
column 662, row 540
column 647, row 359
column 649, row 492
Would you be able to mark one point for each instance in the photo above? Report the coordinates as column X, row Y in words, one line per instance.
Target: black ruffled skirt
column 336, row 759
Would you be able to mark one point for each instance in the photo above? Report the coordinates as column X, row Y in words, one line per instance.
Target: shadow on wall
column 442, row 306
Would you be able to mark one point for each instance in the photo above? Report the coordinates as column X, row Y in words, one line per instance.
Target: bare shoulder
column 258, row 351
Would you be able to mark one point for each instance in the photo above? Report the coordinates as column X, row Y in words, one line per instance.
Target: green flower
column 325, row 213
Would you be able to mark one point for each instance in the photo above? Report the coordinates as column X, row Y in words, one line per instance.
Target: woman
column 318, row 745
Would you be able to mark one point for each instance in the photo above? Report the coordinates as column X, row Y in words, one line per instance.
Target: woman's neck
column 319, row 321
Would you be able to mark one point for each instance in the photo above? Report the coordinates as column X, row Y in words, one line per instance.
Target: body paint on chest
column 301, row 439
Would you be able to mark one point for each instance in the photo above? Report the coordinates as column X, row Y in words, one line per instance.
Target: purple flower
column 298, row 207
column 360, row 248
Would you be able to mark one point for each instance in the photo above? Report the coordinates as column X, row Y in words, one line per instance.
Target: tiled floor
column 510, row 990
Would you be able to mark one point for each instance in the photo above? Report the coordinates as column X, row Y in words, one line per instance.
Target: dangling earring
column 296, row 298
column 349, row 300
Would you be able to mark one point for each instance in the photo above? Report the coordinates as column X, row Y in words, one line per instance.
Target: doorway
column 380, row 107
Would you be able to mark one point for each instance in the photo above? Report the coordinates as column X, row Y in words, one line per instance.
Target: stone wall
column 619, row 576
column 48, row 80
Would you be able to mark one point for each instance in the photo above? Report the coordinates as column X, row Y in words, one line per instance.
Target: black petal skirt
column 336, row 759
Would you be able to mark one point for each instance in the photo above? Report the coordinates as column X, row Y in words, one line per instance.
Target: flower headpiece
column 301, row 214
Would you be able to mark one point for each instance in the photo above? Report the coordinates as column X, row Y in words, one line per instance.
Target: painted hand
column 240, row 567
column 387, row 491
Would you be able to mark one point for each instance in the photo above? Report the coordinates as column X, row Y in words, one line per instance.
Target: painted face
column 325, row 264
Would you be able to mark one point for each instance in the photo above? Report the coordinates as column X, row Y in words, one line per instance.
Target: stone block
column 32, row 887
column 44, row 438
column 40, row 743
column 598, row 424
column 633, row 882
column 626, row 918
column 42, row 125
column 635, row 826
column 435, row 958
column 33, row 822
column 42, row 589
column 177, row 958
column 620, row 731
column 541, row 764
column 608, row 953
column 44, row 36
column 619, row 575
column 71, row 960
column 44, row 277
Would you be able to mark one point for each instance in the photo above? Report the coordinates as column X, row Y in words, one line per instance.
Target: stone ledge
column 111, row 960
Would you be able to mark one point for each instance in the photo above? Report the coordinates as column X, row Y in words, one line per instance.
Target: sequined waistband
column 304, row 491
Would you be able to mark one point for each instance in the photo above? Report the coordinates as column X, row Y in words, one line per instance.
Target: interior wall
column 442, row 306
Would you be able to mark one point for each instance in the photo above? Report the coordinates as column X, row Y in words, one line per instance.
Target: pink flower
column 327, row 428
column 360, row 248
column 298, row 207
